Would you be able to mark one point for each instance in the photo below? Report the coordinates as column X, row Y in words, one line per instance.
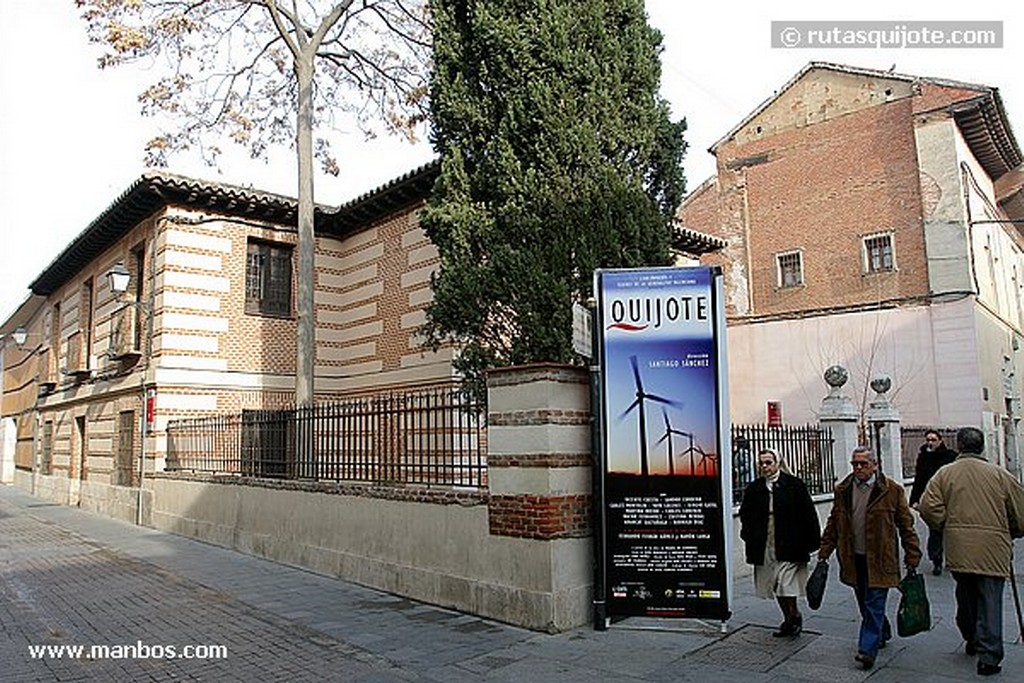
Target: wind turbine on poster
column 704, row 458
column 669, row 433
column 639, row 403
column 693, row 451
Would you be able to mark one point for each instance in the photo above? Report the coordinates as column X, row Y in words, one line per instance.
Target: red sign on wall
column 150, row 408
column 774, row 413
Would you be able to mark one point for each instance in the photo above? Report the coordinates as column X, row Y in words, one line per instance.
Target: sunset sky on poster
column 663, row 318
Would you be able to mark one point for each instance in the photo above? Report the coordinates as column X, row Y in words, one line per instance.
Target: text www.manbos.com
column 138, row 650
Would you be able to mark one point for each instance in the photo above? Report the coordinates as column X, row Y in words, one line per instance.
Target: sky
column 71, row 136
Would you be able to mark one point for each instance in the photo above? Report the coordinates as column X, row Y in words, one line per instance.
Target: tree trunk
column 306, row 339
column 305, row 347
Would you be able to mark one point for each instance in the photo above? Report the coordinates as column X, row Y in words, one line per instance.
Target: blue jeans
column 874, row 625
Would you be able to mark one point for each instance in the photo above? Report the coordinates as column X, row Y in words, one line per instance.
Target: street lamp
column 20, row 335
column 117, row 279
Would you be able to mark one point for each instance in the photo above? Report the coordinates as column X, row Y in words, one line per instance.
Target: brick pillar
column 539, row 473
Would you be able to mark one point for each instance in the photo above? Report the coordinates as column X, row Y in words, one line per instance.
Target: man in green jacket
column 980, row 508
column 869, row 513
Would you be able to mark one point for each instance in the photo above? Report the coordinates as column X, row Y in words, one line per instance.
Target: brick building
column 483, row 513
column 207, row 323
column 868, row 218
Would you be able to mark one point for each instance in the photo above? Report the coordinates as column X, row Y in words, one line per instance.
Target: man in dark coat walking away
column 930, row 458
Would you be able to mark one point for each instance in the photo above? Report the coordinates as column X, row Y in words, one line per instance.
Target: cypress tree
column 558, row 156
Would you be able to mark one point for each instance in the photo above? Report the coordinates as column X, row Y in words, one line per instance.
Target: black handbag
column 816, row 584
column 914, row 614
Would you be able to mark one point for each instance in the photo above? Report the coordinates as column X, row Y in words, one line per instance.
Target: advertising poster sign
column 666, row 501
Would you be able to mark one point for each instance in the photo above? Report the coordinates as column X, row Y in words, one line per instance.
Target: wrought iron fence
column 806, row 451
column 426, row 436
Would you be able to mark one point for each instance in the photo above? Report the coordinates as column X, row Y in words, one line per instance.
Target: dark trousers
column 935, row 547
column 979, row 613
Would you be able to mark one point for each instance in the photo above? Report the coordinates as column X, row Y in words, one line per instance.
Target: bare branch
column 231, row 66
column 386, row 20
column 278, row 15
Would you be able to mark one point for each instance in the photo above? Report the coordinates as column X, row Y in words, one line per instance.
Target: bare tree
column 267, row 72
column 865, row 345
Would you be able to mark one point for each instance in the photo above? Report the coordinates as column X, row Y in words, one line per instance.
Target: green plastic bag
column 914, row 614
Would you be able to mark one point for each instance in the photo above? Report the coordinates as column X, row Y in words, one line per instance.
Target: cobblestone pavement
column 69, row 577
column 59, row 589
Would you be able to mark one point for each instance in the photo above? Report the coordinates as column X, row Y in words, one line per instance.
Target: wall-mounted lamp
column 20, row 335
column 117, row 279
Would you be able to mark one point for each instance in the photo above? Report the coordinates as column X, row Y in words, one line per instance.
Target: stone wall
column 521, row 552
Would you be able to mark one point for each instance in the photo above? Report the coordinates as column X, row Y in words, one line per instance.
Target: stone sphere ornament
column 836, row 376
column 881, row 384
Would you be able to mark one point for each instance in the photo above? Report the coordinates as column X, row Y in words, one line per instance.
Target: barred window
column 138, row 261
column 46, row 455
column 268, row 279
column 791, row 269
column 124, row 464
column 85, row 324
column 878, row 254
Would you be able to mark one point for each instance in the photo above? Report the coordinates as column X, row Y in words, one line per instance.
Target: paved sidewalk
column 70, row 577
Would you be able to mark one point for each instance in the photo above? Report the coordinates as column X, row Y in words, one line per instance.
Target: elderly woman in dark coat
column 780, row 529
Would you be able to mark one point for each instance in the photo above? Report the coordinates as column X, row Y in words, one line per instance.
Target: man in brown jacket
column 980, row 509
column 868, row 513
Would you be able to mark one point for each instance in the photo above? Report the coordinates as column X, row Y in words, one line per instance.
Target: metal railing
column 806, row 451
column 426, row 436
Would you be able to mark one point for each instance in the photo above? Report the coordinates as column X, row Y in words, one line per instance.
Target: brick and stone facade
column 184, row 332
column 861, row 216
column 539, row 462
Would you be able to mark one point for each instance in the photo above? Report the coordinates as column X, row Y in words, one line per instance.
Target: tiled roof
column 693, row 242
column 982, row 119
column 983, row 123
column 154, row 190
column 414, row 186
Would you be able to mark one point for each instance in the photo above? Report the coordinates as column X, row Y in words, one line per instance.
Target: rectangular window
column 878, row 254
column 268, row 279
column 46, row 457
column 55, row 334
column 79, row 451
column 124, row 472
column 791, row 269
column 138, row 260
column 85, row 323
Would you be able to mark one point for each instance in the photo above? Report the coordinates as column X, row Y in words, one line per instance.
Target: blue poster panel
column 665, row 502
